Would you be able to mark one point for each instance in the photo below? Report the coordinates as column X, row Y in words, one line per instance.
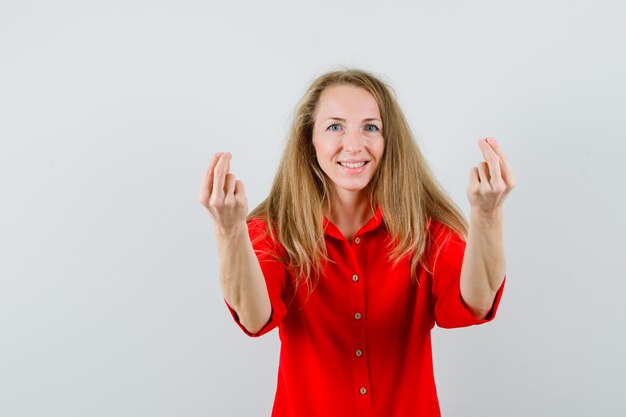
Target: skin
column 484, row 267
column 241, row 278
column 348, row 128
column 343, row 131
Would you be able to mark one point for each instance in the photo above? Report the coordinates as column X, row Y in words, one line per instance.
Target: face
column 347, row 137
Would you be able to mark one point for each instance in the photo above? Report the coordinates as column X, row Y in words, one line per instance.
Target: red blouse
column 360, row 345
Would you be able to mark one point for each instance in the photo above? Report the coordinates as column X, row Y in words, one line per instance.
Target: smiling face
column 347, row 137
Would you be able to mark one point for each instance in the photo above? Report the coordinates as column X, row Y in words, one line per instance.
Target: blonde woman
column 357, row 253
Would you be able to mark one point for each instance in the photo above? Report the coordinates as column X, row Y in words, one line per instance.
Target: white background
column 110, row 112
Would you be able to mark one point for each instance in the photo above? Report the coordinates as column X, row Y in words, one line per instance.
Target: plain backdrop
column 111, row 110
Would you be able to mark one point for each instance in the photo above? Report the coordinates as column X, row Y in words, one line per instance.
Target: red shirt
column 360, row 345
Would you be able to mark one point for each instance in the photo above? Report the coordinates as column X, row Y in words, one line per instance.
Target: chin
column 352, row 187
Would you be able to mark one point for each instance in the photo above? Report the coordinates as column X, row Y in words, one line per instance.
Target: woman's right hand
column 223, row 195
column 241, row 277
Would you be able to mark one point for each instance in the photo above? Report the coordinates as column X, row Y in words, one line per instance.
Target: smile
column 353, row 164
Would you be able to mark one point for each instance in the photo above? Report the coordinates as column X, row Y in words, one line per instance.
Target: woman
column 356, row 253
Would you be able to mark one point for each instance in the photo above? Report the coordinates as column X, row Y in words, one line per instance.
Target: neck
column 349, row 211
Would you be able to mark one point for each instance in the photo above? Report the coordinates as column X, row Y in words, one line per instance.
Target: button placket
column 357, row 305
column 362, row 375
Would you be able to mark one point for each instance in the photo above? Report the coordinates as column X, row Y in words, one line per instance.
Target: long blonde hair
column 403, row 186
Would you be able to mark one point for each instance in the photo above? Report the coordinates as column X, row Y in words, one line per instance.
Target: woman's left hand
column 490, row 182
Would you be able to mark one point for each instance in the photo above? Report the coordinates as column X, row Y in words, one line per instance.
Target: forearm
column 241, row 279
column 484, row 266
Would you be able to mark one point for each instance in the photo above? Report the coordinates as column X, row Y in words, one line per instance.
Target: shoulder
column 257, row 226
column 258, row 229
column 441, row 234
column 262, row 237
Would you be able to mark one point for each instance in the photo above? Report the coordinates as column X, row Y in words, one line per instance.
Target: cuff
column 462, row 316
column 271, row 323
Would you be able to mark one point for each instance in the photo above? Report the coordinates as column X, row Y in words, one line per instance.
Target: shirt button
column 357, row 316
column 359, row 353
column 363, row 390
column 357, row 240
column 355, row 277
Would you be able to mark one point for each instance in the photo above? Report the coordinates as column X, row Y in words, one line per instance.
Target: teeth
column 352, row 165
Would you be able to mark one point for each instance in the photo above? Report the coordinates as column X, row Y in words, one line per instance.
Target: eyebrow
column 369, row 119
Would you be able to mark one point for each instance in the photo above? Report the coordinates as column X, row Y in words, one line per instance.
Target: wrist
column 232, row 231
column 491, row 219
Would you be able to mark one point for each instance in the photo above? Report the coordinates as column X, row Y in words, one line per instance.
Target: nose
column 352, row 141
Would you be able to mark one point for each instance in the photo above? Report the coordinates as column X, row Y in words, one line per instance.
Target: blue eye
column 334, row 127
column 372, row 128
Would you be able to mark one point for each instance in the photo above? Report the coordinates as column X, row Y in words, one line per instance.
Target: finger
column 474, row 180
column 240, row 190
column 227, row 162
column 483, row 174
column 207, row 179
column 507, row 172
column 219, row 175
column 229, row 186
column 492, row 159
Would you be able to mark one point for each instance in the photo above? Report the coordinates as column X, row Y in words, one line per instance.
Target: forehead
column 346, row 101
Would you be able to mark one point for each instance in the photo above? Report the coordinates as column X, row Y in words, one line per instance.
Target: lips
column 352, row 167
column 352, row 164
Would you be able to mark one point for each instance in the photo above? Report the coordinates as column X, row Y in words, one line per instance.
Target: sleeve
column 274, row 273
column 449, row 309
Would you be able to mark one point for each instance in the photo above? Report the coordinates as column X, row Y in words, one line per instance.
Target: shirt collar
column 331, row 230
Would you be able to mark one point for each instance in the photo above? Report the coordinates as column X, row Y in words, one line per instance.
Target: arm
column 241, row 279
column 483, row 269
